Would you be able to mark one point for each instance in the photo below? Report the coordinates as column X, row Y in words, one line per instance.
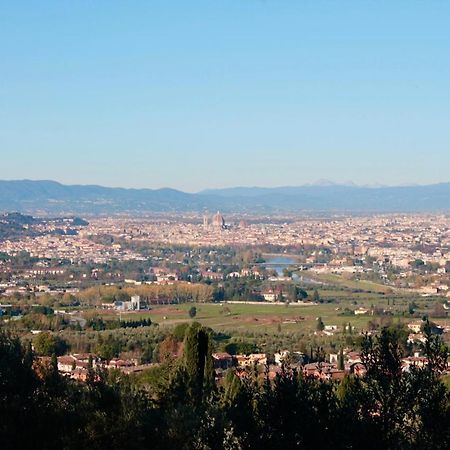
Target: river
column 281, row 262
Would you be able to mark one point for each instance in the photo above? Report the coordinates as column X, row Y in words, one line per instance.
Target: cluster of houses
column 219, row 276
column 417, row 335
column 325, row 370
column 77, row 366
column 161, row 275
column 337, row 366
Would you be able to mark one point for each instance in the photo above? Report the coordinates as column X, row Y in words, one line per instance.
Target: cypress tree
column 320, row 325
column 198, row 363
column 316, row 296
column 28, row 356
column 341, row 364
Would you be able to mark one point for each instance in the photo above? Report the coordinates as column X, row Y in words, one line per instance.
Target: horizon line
column 317, row 184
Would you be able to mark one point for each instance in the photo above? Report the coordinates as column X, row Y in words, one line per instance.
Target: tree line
column 186, row 408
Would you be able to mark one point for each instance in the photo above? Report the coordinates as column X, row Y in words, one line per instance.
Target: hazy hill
column 16, row 225
column 344, row 197
column 55, row 198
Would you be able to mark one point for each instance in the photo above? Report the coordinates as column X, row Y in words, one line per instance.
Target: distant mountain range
column 51, row 197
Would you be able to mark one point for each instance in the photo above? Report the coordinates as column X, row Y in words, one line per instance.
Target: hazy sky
column 197, row 94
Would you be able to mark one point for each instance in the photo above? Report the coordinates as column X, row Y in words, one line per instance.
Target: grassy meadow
column 272, row 318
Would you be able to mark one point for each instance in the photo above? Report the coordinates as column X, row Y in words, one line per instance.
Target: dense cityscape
column 99, row 299
column 408, row 252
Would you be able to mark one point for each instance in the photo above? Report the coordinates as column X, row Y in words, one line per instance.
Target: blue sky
column 220, row 93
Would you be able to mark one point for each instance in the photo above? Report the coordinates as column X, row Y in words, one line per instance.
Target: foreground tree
column 389, row 408
column 402, row 407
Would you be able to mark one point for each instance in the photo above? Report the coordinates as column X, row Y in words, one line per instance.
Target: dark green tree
column 47, row 344
column 198, row 363
column 320, row 326
column 316, row 296
column 341, row 362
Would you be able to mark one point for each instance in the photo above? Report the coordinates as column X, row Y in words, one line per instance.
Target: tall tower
column 205, row 221
column 218, row 221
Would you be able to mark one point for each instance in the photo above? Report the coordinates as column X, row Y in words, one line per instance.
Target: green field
column 342, row 281
column 339, row 296
column 271, row 327
column 264, row 317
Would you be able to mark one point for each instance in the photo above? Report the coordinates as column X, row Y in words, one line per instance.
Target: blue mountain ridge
column 51, row 197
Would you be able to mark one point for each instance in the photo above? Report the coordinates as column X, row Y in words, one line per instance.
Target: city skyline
column 202, row 95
